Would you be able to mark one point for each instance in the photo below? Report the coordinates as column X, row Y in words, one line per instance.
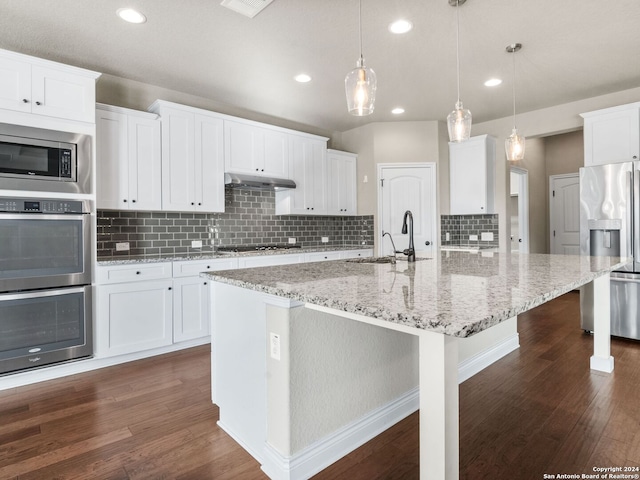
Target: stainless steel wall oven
column 45, row 282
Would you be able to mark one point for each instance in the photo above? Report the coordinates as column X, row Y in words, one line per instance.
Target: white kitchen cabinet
column 360, row 253
column 308, row 168
column 41, row 87
column 612, row 135
column 191, row 296
column 133, row 316
column 255, row 150
column 128, row 159
column 192, row 158
column 342, row 183
column 270, row 260
column 322, row 256
column 472, row 175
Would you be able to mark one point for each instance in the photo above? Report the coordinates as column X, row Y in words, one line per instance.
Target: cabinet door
column 276, row 154
column 145, row 164
column 341, row 184
column 209, row 164
column 242, row 147
column 316, row 166
column 612, row 137
column 177, row 160
column 61, row 94
column 15, row 85
column 190, row 308
column 468, row 174
column 133, row 317
column 112, row 177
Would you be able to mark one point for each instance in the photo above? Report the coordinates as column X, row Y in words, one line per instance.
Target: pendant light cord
column 360, row 30
column 514, row 87
column 458, row 45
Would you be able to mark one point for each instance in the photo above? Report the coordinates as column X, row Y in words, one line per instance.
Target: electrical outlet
column 274, row 344
column 196, row 243
column 325, row 239
column 486, row 236
column 122, row 247
column 473, row 237
column 447, row 236
column 292, row 240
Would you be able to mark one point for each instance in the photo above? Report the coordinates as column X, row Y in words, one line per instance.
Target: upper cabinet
column 128, row 159
column 33, row 85
column 192, row 158
column 341, row 183
column 255, row 150
column 308, row 168
column 472, row 175
column 612, row 135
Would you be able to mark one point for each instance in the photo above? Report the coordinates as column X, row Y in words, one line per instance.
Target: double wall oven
column 45, row 248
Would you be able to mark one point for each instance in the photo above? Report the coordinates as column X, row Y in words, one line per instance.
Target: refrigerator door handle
column 635, row 198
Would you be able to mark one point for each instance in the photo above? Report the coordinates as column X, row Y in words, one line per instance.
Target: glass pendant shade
column 459, row 123
column 360, row 85
column 514, row 146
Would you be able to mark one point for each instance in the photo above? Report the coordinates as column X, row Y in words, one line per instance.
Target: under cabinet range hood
column 239, row 180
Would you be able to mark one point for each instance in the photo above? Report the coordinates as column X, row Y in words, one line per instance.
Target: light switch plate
column 196, row 243
column 292, row 240
column 325, row 239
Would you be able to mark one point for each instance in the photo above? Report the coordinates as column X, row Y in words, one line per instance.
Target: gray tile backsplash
column 461, row 227
column 249, row 219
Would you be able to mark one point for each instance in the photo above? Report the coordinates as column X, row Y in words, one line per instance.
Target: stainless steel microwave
column 36, row 159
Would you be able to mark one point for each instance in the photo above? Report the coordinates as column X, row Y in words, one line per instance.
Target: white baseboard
column 469, row 367
column 50, row 372
column 320, row 455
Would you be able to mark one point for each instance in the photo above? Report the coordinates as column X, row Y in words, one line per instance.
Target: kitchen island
column 302, row 353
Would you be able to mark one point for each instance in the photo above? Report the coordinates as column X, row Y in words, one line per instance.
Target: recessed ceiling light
column 400, row 26
column 302, row 78
column 397, row 110
column 492, row 82
column 130, row 15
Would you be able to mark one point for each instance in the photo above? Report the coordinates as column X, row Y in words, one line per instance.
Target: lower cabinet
column 190, row 308
column 134, row 316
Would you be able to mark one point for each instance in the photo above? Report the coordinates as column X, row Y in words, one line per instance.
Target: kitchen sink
column 388, row 259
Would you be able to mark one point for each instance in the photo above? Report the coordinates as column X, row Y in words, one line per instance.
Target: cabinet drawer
column 190, row 268
column 322, row 256
column 364, row 253
column 132, row 272
column 270, row 260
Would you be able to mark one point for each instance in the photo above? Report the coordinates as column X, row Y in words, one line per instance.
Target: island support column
column 439, row 411
column 601, row 294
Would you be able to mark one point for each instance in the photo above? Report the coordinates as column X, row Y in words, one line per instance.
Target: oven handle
column 41, row 216
column 41, row 293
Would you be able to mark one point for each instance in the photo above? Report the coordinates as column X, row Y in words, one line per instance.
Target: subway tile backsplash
column 461, row 227
column 249, row 219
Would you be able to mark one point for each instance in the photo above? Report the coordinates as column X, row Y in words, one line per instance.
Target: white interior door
column 407, row 187
column 519, row 208
column 564, row 214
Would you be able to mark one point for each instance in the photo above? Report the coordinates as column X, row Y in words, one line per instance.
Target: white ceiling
column 573, row 49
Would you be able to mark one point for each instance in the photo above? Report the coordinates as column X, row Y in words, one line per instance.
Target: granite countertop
column 124, row 260
column 456, row 293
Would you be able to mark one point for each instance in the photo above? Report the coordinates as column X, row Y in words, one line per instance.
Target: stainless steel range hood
column 239, row 180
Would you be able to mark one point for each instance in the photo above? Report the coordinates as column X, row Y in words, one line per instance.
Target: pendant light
column 360, row 83
column 514, row 145
column 458, row 121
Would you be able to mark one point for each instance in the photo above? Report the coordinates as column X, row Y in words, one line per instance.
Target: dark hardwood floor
column 539, row 410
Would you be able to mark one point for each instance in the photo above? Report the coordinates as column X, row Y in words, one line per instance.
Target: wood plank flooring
column 539, row 410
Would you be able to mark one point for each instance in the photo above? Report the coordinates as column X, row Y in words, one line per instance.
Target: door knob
column 427, row 243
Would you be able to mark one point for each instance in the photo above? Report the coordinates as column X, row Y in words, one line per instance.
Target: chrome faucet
column 392, row 244
column 409, row 252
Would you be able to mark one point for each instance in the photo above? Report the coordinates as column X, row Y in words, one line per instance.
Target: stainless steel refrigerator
column 610, row 225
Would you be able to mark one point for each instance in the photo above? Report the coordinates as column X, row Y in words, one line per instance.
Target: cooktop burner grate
column 252, row 248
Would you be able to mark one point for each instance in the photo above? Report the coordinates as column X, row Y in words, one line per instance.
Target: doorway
column 519, row 210
column 403, row 187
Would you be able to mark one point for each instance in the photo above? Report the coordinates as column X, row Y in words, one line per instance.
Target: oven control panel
column 26, row 205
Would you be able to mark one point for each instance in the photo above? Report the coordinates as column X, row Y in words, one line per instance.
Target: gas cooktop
column 255, row 248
